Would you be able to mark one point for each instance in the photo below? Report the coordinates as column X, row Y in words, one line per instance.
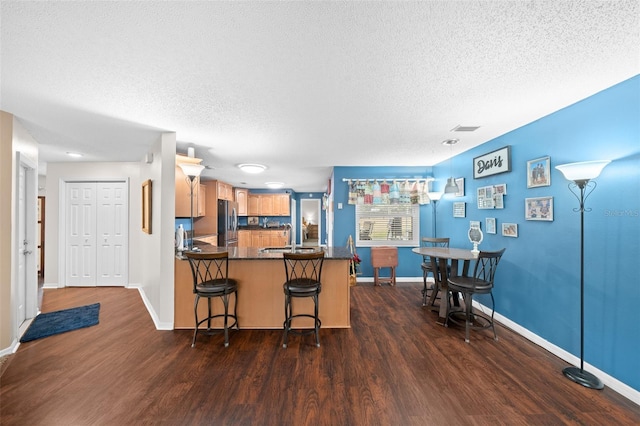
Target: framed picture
column 510, row 230
column 540, row 208
column 459, row 209
column 490, row 225
column 498, row 161
column 460, row 184
column 253, row 220
column 146, row 206
column 539, row 172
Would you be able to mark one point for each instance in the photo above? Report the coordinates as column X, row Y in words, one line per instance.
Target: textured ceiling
column 302, row 86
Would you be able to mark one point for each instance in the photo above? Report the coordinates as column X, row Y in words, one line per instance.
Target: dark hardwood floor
column 395, row 366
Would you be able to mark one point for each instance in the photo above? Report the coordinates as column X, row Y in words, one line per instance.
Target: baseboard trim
column 154, row 316
column 615, row 384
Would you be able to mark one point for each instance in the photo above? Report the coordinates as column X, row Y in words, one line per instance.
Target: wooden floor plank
column 394, row 366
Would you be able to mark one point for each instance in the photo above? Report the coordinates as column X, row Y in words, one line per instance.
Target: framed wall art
column 459, row 209
column 510, row 230
column 490, row 225
column 146, row 206
column 539, row 172
column 498, row 161
column 460, row 184
column 540, row 208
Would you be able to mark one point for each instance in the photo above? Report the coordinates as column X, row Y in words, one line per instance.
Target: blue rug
column 50, row 323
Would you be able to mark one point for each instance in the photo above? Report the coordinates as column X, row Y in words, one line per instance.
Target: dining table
column 441, row 257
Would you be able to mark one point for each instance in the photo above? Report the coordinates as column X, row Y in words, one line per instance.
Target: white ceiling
column 302, row 86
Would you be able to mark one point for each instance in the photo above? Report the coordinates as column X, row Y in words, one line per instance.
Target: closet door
column 112, row 233
column 80, row 234
column 97, row 233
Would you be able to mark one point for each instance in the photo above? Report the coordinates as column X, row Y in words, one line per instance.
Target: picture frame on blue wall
column 490, row 225
column 539, row 208
column 460, row 184
column 539, row 172
column 510, row 230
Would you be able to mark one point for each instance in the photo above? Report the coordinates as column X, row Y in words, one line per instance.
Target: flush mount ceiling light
column 274, row 185
column 451, row 186
column 252, row 168
column 74, row 154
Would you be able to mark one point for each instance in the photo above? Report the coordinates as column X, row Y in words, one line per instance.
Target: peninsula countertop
column 260, row 274
column 270, row 253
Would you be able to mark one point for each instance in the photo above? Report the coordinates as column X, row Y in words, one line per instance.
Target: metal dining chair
column 481, row 282
column 427, row 267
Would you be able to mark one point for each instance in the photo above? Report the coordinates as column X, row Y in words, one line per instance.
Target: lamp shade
column 582, row 171
column 435, row 196
column 451, row 186
column 191, row 170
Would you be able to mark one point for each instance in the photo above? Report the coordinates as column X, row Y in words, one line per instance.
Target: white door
column 81, row 234
column 112, row 211
column 23, row 249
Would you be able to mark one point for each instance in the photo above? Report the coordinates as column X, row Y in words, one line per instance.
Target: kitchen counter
column 255, row 253
column 260, row 276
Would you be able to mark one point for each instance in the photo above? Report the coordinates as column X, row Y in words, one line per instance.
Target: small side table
column 384, row 257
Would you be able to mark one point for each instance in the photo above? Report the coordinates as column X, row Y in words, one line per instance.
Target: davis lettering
column 488, row 164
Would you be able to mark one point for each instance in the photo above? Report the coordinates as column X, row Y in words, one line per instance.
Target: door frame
column 318, row 208
column 62, row 223
column 31, row 280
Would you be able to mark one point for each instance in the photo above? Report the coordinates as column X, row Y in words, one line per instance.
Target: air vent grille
column 461, row 128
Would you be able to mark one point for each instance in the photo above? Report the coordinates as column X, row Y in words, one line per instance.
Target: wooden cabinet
column 253, row 205
column 242, row 200
column 268, row 205
column 183, row 195
column 225, row 191
column 281, row 205
column 244, row 238
column 201, row 200
column 263, row 238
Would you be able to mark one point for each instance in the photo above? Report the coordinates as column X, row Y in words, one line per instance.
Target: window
column 387, row 225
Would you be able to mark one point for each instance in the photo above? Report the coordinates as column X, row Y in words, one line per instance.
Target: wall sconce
column 581, row 186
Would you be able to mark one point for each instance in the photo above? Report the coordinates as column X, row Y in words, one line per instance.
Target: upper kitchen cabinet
column 281, row 205
column 183, row 191
column 242, row 198
column 268, row 205
column 225, row 191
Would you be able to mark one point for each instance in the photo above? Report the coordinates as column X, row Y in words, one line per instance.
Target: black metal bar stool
column 427, row 267
column 303, row 272
column 210, row 279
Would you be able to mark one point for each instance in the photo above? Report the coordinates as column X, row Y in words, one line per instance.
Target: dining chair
column 481, row 282
column 427, row 267
column 210, row 280
column 303, row 273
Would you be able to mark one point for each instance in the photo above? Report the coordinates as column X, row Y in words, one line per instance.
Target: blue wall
column 538, row 281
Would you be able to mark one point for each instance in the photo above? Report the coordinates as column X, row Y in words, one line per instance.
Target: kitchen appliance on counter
column 227, row 223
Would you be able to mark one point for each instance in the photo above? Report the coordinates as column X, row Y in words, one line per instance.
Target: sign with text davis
column 498, row 161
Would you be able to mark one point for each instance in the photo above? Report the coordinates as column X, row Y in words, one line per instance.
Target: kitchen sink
column 289, row 249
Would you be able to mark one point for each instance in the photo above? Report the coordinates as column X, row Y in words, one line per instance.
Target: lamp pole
column 435, row 197
column 581, row 174
column 191, row 172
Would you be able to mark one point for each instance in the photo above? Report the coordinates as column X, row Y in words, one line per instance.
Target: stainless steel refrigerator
column 227, row 223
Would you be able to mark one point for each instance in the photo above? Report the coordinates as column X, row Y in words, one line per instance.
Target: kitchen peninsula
column 260, row 275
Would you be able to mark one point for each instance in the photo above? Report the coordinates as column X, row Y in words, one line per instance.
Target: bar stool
column 303, row 272
column 210, row 279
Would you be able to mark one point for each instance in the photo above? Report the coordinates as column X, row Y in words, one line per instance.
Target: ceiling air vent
column 460, row 128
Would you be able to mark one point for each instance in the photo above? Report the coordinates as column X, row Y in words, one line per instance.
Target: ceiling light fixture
column 451, row 186
column 252, row 168
column 74, row 154
column 274, row 185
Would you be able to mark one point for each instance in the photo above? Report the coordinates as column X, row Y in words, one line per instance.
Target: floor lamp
column 434, row 197
column 580, row 175
column 191, row 171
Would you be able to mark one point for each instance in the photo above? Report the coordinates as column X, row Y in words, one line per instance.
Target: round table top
column 445, row 252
